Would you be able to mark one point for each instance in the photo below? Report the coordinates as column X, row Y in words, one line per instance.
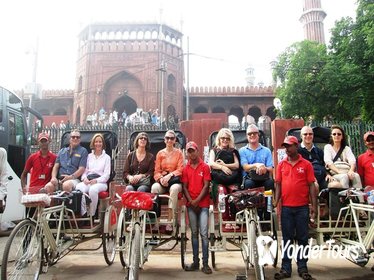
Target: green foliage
column 335, row 83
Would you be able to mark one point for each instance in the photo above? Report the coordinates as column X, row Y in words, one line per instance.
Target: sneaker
column 192, row 267
column 206, row 269
column 129, row 228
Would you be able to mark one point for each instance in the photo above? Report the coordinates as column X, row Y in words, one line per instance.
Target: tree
column 337, row 83
column 298, row 70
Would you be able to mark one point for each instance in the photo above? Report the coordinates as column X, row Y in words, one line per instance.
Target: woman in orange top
column 168, row 165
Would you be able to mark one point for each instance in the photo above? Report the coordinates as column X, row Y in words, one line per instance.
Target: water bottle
column 370, row 198
column 221, row 200
column 269, row 205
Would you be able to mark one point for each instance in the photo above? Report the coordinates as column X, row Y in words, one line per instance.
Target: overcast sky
column 226, row 36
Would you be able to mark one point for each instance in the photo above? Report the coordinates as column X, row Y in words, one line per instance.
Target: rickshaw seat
column 103, row 195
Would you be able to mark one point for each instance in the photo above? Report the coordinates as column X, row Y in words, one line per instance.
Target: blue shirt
column 69, row 163
column 260, row 155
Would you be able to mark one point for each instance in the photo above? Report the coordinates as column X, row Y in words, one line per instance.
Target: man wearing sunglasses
column 365, row 166
column 310, row 152
column 70, row 164
column 255, row 158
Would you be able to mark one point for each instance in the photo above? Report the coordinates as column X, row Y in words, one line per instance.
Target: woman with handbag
column 139, row 165
column 168, row 169
column 96, row 174
column 224, row 164
column 340, row 161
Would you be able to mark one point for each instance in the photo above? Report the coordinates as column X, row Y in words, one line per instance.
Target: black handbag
column 221, row 177
column 257, row 177
column 93, row 176
column 145, row 181
column 174, row 180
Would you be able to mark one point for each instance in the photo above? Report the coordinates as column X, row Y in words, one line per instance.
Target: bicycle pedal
column 154, row 242
column 241, row 277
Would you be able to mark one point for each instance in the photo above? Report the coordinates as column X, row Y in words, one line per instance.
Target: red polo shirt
column 195, row 177
column 40, row 169
column 365, row 168
column 295, row 181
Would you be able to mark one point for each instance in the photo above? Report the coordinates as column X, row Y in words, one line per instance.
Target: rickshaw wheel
column 275, row 236
column 109, row 238
column 183, row 249
column 123, row 253
column 134, row 260
column 23, row 252
column 212, row 240
column 259, row 270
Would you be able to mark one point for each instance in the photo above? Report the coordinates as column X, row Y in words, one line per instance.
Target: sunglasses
column 143, row 138
column 172, row 138
column 336, row 134
column 252, row 133
column 225, row 138
column 305, row 134
column 75, row 137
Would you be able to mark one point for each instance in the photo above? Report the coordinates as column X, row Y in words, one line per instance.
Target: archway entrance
column 125, row 103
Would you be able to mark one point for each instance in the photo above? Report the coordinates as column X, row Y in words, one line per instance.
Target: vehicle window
column 14, row 101
column 16, row 130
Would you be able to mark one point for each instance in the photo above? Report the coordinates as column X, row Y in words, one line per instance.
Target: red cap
column 290, row 140
column 191, row 145
column 367, row 134
column 43, row 135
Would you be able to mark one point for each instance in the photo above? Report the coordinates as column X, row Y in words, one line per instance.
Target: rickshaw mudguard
column 110, row 219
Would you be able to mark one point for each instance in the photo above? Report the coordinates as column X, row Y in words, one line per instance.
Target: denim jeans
column 199, row 222
column 295, row 228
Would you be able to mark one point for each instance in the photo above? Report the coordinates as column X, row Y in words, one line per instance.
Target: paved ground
column 166, row 265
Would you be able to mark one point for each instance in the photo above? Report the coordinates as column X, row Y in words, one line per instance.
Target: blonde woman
column 96, row 174
column 169, row 167
column 224, row 163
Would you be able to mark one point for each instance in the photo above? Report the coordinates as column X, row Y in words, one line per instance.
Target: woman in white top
column 338, row 141
column 96, row 175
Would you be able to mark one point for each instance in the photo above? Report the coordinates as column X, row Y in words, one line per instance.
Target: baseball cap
column 290, row 140
column 43, row 135
column 191, row 145
column 367, row 134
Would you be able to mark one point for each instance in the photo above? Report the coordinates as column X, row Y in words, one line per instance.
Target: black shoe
column 206, row 269
column 192, row 267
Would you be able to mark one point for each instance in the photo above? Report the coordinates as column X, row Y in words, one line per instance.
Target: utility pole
column 188, row 80
column 163, row 70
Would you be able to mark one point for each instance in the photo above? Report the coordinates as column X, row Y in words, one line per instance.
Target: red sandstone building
column 125, row 66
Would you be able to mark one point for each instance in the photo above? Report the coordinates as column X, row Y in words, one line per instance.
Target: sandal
column 282, row 274
column 362, row 215
column 306, row 276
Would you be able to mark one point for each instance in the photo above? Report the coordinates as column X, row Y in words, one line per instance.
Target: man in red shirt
column 40, row 166
column 365, row 166
column 294, row 185
column 195, row 180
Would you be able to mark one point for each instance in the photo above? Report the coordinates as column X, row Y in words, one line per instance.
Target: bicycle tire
column 275, row 236
column 212, row 240
column 23, row 253
column 134, row 260
column 109, row 246
column 123, row 252
column 259, row 270
column 183, row 250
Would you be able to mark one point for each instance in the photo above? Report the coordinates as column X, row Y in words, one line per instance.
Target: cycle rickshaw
column 255, row 239
column 341, row 226
column 141, row 227
column 55, row 229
